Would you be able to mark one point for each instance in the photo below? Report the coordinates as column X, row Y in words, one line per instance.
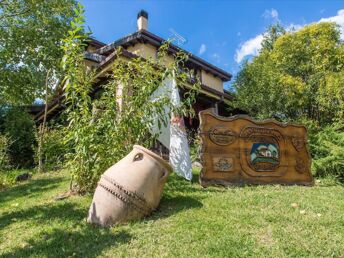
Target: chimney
column 142, row 20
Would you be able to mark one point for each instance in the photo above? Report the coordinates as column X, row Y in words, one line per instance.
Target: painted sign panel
column 239, row 150
column 264, row 156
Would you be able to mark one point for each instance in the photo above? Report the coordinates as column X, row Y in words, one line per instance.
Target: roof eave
column 146, row 36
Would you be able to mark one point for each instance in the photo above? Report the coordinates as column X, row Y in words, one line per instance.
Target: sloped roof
column 144, row 36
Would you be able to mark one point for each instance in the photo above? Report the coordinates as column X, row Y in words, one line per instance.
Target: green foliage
column 195, row 145
column 272, row 34
column 103, row 130
column 30, row 40
column 8, row 177
column 19, row 128
column 327, row 147
column 301, row 76
column 4, row 158
column 54, row 148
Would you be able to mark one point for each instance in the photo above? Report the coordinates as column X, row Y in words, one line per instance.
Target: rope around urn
column 129, row 198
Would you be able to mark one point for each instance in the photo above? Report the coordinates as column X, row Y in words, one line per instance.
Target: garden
column 49, row 168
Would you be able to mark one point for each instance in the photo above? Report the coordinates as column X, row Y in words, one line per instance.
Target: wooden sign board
column 239, row 150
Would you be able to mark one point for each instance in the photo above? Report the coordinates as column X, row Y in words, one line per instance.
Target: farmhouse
column 143, row 43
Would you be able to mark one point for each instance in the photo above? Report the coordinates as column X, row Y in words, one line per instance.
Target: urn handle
column 164, row 174
column 138, row 157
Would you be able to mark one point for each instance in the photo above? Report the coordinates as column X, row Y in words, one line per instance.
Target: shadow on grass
column 179, row 195
column 28, row 188
column 44, row 214
column 74, row 238
column 86, row 242
column 178, row 184
column 170, row 205
column 61, row 227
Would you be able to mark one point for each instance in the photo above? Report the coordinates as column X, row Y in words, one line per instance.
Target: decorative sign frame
column 239, row 150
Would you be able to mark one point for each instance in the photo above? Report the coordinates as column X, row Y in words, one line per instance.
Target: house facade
column 143, row 43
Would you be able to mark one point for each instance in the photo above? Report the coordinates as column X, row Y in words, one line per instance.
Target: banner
column 173, row 135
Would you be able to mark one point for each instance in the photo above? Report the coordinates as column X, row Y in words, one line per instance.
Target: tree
column 30, row 45
column 42, row 129
column 300, row 76
column 272, row 34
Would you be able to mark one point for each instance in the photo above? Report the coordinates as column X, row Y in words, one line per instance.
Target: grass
column 8, row 178
column 263, row 221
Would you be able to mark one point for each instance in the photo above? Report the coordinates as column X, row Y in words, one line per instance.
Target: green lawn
column 263, row 221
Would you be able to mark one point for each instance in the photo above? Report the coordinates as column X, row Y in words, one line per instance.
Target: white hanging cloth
column 173, row 135
column 163, row 91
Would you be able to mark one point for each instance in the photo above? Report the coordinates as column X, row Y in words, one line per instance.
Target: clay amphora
column 130, row 189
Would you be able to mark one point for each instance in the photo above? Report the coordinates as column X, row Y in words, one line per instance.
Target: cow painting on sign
column 264, row 152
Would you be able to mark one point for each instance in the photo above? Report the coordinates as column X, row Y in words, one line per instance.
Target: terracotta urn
column 130, row 189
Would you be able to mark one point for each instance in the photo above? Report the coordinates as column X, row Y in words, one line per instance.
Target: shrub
column 327, row 149
column 195, row 146
column 4, row 159
column 54, row 149
column 8, row 177
column 19, row 127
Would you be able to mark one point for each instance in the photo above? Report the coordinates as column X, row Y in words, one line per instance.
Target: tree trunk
column 42, row 127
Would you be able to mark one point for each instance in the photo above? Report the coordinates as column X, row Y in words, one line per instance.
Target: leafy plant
column 327, row 147
column 54, row 148
column 195, row 145
column 20, row 129
column 104, row 129
column 4, row 158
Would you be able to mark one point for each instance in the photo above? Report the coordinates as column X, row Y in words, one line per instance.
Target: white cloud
column 202, row 49
column 216, row 57
column 250, row 47
column 270, row 14
column 339, row 19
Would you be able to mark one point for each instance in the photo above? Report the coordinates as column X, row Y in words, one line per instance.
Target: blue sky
column 221, row 32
